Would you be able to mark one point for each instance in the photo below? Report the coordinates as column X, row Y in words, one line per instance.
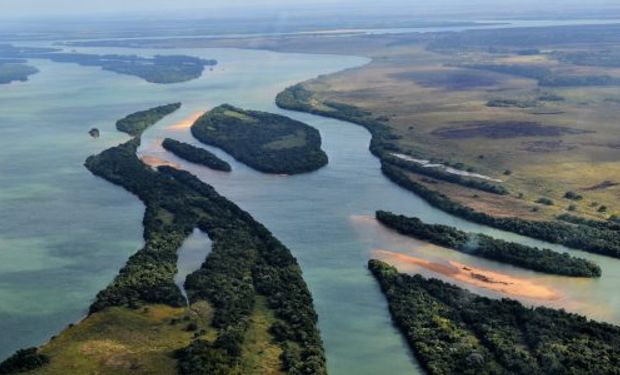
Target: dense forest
column 584, row 237
column 452, row 331
column 195, row 155
column 135, row 123
column 267, row 142
column 158, row 69
column 543, row 260
column 246, row 261
column 23, row 360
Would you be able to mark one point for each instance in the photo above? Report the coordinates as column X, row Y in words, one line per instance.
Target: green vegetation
column 246, row 264
column 510, row 103
column 573, row 196
column 267, row 142
column 440, row 174
column 610, row 224
column 10, row 72
column 453, row 331
column 125, row 341
column 545, row 201
column 158, row 69
column 246, row 261
column 587, row 238
column 23, row 360
column 543, row 260
column 297, row 98
column 195, row 155
column 138, row 122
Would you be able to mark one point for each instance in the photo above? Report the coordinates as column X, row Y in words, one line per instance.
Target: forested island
column 162, row 69
column 195, row 155
column 135, row 123
column 248, row 277
column 158, row 69
column 453, row 331
column 266, row 142
column 14, row 70
column 542, row 260
column 588, row 238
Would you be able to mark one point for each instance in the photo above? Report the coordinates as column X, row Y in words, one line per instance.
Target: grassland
column 120, row 340
column 542, row 141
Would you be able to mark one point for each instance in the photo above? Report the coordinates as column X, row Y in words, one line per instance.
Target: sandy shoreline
column 154, row 162
column 186, row 123
column 510, row 285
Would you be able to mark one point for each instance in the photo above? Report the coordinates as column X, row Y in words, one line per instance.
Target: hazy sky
column 39, row 8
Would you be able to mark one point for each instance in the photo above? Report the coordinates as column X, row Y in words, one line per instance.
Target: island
column 195, row 155
column 135, row 123
column 161, row 69
column 533, row 258
column 94, row 133
column 158, row 69
column 453, row 331
column 267, row 142
column 247, row 307
column 12, row 71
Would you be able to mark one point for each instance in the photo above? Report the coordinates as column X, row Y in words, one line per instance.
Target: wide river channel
column 64, row 233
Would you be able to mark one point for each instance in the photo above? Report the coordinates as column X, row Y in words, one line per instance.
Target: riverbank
column 508, row 285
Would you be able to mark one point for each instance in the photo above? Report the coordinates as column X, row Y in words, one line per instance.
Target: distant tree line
column 584, row 237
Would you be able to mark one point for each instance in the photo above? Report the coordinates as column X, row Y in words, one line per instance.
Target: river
column 64, row 233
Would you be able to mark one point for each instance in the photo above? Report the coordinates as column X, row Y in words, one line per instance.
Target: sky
column 45, row 8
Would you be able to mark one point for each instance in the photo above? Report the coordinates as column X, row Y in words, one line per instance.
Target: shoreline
column 511, row 286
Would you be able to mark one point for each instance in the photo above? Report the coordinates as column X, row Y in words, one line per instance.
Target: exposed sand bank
column 483, row 278
column 154, row 162
column 185, row 123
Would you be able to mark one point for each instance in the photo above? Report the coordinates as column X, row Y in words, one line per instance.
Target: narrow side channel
column 191, row 256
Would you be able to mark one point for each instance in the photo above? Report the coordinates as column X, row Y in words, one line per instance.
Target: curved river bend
column 325, row 217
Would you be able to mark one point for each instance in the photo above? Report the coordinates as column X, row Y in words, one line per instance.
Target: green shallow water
column 64, row 233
